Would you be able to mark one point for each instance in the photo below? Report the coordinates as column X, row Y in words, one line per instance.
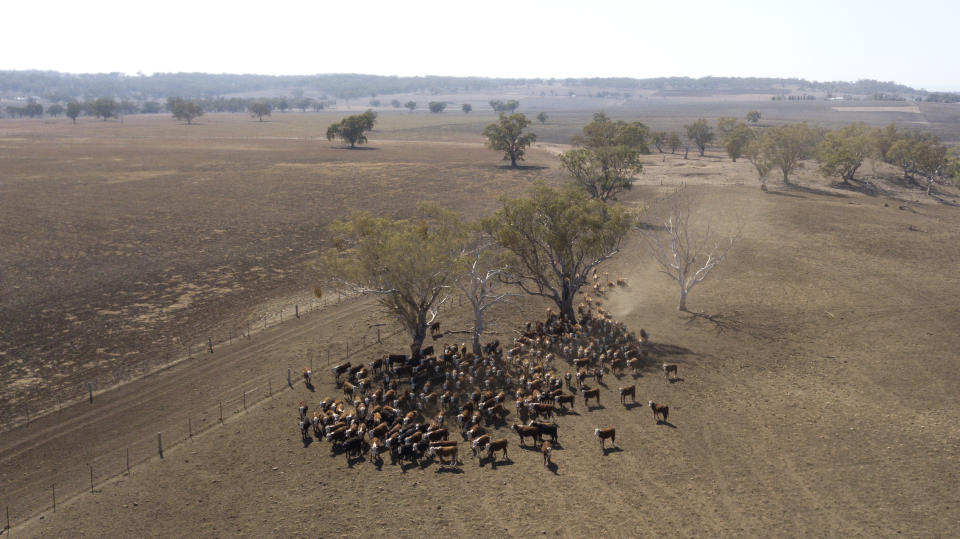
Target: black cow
column 549, row 429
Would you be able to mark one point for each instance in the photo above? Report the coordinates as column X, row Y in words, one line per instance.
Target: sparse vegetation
column 184, row 110
column 353, row 129
column 437, row 107
column 260, row 109
column 841, row 152
column 701, row 134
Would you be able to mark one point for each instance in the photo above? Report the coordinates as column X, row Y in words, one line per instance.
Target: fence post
column 221, row 410
column 296, row 310
column 378, row 336
column 244, row 400
column 190, row 427
column 160, row 445
column 281, row 315
column 328, row 355
column 269, row 388
column 8, row 518
column 54, row 487
column 289, row 380
column 59, row 407
column 128, row 462
column 348, row 351
column 90, row 390
column 210, row 344
column 311, row 362
column 91, row 478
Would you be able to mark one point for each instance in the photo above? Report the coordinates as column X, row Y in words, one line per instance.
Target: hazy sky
column 912, row 42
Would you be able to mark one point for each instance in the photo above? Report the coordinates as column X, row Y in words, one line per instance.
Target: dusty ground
column 820, row 398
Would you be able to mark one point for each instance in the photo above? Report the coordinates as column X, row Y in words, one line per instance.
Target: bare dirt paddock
column 819, row 399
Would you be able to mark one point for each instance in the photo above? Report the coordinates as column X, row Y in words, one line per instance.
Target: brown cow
column 565, row 399
column 630, row 391
column 441, row 452
column 547, row 450
column 670, row 368
column 659, row 410
column 497, row 445
column 477, row 445
column 590, row 394
column 438, row 434
column 603, row 434
column 524, row 431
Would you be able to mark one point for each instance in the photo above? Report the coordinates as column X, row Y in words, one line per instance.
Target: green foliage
column 554, row 237
column 735, row 138
column 303, row 103
column 700, row 133
column 542, row 118
column 408, row 264
column 184, row 110
column 73, row 110
column 920, row 154
column 787, row 145
column 952, row 168
column 603, row 172
column 55, row 110
column 467, row 108
column 841, row 152
column 659, row 139
column 753, row 116
column 259, row 109
column 104, row 107
column 352, row 129
column 674, row 142
column 411, row 105
column 884, row 138
column 151, row 107
column 437, row 107
column 603, row 132
column 504, row 106
column 759, row 151
column 507, row 136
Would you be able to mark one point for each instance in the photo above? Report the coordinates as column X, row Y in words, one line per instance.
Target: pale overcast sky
column 912, row 42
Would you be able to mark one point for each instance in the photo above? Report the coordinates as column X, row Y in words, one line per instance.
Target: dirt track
column 821, row 401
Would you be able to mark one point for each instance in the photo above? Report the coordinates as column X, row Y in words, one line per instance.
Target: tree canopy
column 787, row 145
column 507, row 136
column 467, row 108
column 919, row 154
column 73, row 110
column 841, row 152
column 259, row 109
column 352, row 129
column 408, row 264
column 753, row 116
column 184, row 110
column 542, row 118
column 734, row 136
column 410, row 105
column 603, row 132
column 504, row 106
column 554, row 237
column 437, row 107
column 700, row 133
column 104, row 107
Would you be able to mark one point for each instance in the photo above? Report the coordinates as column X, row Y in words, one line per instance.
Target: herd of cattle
column 399, row 405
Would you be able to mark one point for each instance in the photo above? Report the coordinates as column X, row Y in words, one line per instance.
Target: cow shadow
column 449, row 468
column 666, row 423
column 354, row 460
column 309, row 386
column 307, row 441
column 570, row 411
column 600, row 383
column 631, row 405
column 596, row 407
column 636, row 375
column 675, row 379
column 505, row 462
column 553, row 468
column 613, row 449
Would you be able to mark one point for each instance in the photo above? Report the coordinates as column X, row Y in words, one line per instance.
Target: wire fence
column 38, row 400
column 68, row 481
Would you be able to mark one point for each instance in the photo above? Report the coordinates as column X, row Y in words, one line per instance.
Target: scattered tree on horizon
column 184, row 110
column 352, row 129
column 553, row 238
column 753, row 116
column 467, row 108
column 659, row 139
column 73, row 110
column 920, row 154
column 734, row 136
column 758, row 152
column 260, row 109
column 542, row 117
column 701, row 134
column 436, row 107
column 507, row 136
column 509, row 106
column 104, row 107
column 411, row 105
column 55, row 110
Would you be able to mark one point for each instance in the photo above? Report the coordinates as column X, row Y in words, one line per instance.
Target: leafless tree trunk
column 686, row 256
column 478, row 284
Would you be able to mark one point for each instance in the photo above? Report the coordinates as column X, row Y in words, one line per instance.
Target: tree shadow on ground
column 522, row 167
column 721, row 322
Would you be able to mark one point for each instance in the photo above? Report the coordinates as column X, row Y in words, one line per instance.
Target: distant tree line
column 61, row 87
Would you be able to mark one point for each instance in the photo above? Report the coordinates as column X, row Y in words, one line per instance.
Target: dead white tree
column 686, row 256
column 478, row 282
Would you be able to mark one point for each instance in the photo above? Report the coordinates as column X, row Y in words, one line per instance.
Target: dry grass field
column 819, row 382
